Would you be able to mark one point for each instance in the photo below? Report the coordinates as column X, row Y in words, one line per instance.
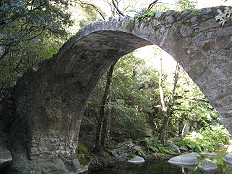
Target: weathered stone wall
column 50, row 101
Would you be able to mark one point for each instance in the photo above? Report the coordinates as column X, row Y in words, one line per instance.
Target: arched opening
column 134, row 112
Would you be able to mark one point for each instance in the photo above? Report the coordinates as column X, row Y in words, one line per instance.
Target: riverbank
column 193, row 162
column 120, row 153
column 112, row 162
column 99, row 161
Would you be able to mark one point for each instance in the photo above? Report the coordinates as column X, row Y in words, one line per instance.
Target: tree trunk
column 102, row 121
column 167, row 108
column 164, row 108
column 185, row 129
column 104, row 130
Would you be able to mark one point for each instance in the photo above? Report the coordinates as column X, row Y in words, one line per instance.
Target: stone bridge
column 50, row 101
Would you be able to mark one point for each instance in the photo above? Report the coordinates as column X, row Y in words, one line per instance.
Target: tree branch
column 152, row 4
column 94, row 7
column 116, row 7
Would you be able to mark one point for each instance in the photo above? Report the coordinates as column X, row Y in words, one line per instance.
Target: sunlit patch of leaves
column 209, row 138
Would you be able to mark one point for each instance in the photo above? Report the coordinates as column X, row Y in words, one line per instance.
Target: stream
column 162, row 167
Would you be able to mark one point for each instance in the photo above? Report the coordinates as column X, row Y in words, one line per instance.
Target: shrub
column 83, row 154
column 155, row 146
column 209, row 138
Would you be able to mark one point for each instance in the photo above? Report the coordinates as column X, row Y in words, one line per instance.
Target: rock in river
column 228, row 158
column 208, row 166
column 189, row 159
column 136, row 159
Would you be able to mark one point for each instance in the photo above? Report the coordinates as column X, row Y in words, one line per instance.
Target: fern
column 224, row 16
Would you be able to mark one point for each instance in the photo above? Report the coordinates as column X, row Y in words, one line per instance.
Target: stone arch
column 50, row 101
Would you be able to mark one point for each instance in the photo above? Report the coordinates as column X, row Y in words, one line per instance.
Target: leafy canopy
column 22, row 20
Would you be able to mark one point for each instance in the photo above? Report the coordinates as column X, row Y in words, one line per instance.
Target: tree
column 89, row 12
column 167, row 107
column 191, row 108
column 103, row 119
column 31, row 31
column 128, row 102
column 23, row 20
column 24, row 56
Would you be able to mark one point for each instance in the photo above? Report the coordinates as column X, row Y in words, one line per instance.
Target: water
column 162, row 167
column 154, row 167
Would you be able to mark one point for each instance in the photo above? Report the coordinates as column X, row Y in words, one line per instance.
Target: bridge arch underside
column 51, row 100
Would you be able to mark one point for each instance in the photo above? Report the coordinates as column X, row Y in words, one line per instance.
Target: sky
column 204, row 3
column 171, row 3
column 209, row 3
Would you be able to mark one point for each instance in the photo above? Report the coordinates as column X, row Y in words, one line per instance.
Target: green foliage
column 223, row 167
column 29, row 32
column 26, row 55
column 139, row 151
column 155, row 146
column 134, row 98
column 127, row 119
column 83, row 154
column 191, row 106
column 186, row 5
column 143, row 14
column 209, row 138
column 48, row 47
column 147, row 13
column 89, row 12
column 130, row 156
column 23, row 20
column 224, row 16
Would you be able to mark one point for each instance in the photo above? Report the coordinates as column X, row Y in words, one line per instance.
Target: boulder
column 194, row 154
column 122, row 151
column 208, row 166
column 208, row 154
column 83, row 169
column 119, row 155
column 183, row 149
column 5, row 156
column 228, row 158
column 136, row 160
column 171, row 146
column 189, row 159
